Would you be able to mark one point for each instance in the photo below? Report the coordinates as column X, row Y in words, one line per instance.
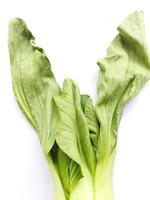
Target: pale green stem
column 58, row 188
column 103, row 179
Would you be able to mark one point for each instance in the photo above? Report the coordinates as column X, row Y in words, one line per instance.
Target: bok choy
column 79, row 138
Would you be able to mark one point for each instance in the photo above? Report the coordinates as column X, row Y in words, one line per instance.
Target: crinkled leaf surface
column 33, row 81
column 123, row 72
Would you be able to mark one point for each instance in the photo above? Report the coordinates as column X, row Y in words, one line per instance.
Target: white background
column 74, row 34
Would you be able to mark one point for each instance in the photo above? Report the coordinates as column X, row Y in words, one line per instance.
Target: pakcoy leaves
column 79, row 138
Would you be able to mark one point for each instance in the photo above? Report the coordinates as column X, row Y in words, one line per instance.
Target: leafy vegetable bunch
column 79, row 138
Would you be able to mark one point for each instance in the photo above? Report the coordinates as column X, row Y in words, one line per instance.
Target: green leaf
column 33, row 81
column 122, row 74
column 69, row 171
column 92, row 122
column 83, row 100
column 72, row 134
